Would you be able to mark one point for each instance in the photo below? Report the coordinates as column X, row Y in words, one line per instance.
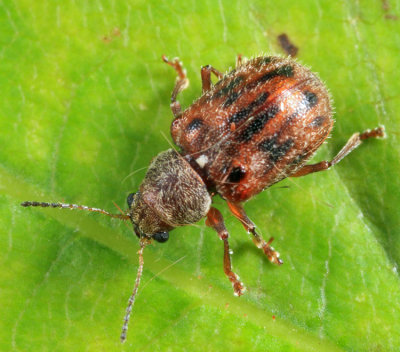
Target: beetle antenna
column 74, row 206
column 143, row 243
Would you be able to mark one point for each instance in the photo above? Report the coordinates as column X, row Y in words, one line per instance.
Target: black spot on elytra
column 266, row 60
column 317, row 122
column 228, row 88
column 263, row 61
column 311, row 98
column 194, row 125
column 276, row 151
column 237, row 174
column 299, row 159
column 245, row 112
column 258, row 123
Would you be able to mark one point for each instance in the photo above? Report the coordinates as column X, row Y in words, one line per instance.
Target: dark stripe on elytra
column 283, row 71
column 194, row 125
column 228, row 88
column 310, row 98
column 245, row 112
column 231, row 99
column 276, row 151
column 257, row 125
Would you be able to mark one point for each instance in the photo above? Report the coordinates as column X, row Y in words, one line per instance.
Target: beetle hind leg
column 216, row 221
column 354, row 141
column 272, row 255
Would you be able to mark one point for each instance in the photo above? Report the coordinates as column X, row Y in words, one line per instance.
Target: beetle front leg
column 182, row 82
column 354, row 141
column 238, row 211
column 206, row 77
column 216, row 221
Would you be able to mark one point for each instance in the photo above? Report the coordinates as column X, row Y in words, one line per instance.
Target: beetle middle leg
column 216, row 221
column 182, row 82
column 238, row 211
column 354, row 141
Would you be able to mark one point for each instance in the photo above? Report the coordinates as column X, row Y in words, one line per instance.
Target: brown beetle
column 257, row 125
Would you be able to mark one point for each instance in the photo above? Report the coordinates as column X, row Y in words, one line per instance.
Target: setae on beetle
column 257, row 125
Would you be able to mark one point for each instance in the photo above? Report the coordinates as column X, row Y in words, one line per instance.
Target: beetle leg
column 354, row 141
column 206, row 77
column 216, row 221
column 182, row 82
column 238, row 211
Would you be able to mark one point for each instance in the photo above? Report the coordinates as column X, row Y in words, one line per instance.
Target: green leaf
column 84, row 108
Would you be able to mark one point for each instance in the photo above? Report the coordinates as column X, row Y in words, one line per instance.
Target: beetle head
column 146, row 222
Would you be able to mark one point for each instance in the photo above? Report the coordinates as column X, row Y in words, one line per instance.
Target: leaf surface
column 84, row 108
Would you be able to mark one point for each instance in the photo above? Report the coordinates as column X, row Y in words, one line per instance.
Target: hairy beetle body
column 259, row 124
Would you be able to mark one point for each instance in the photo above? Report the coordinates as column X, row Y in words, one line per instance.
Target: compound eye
column 161, row 236
column 136, row 229
column 129, row 200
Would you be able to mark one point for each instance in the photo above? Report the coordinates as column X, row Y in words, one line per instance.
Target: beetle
column 260, row 123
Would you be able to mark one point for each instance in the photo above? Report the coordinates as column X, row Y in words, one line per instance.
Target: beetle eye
column 129, row 200
column 161, row 236
column 136, row 229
